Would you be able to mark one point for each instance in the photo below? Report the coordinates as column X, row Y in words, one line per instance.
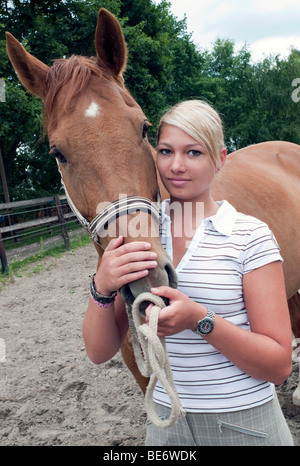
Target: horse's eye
column 145, row 129
column 58, row 155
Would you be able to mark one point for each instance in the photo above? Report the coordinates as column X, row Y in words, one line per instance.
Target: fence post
column 62, row 221
column 3, row 257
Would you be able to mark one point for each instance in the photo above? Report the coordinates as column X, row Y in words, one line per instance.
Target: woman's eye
column 164, row 151
column 58, row 155
column 194, row 153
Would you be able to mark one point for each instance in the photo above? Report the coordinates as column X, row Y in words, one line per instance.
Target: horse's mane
column 76, row 71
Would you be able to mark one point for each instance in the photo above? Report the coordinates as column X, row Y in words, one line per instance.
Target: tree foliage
column 164, row 67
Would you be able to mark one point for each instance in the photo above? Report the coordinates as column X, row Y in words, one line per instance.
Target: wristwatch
column 206, row 325
column 100, row 298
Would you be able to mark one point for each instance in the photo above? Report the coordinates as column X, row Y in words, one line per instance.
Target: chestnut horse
column 97, row 133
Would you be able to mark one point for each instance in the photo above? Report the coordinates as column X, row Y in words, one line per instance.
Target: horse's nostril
column 164, row 274
column 127, row 294
column 172, row 276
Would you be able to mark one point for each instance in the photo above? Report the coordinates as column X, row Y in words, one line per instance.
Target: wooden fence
column 33, row 218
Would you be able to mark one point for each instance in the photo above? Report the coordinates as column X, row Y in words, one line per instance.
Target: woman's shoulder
column 231, row 221
column 247, row 221
column 259, row 241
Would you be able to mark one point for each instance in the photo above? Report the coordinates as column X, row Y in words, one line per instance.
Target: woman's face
column 185, row 166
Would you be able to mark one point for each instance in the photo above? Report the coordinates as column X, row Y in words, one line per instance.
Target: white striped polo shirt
column 223, row 248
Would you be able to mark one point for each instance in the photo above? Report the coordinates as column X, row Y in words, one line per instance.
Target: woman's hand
column 122, row 264
column 181, row 314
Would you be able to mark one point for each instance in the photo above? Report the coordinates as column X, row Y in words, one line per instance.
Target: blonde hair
column 201, row 122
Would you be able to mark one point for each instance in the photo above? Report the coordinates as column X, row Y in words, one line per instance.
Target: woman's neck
column 193, row 211
column 186, row 216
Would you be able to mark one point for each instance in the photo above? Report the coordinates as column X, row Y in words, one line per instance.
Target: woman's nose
column 177, row 164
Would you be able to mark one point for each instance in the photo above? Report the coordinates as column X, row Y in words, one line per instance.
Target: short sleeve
column 261, row 249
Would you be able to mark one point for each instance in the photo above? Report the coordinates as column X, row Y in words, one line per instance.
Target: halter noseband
column 114, row 210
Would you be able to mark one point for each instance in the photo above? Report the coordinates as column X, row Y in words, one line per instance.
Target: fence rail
column 21, row 221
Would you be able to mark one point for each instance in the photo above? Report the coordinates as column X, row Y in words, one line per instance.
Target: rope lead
column 152, row 359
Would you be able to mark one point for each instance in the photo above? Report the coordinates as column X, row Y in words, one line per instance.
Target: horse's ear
column 110, row 44
column 31, row 71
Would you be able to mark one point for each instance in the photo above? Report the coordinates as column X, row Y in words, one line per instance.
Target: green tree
column 163, row 62
column 279, row 115
column 162, row 66
column 49, row 30
column 229, row 76
column 255, row 100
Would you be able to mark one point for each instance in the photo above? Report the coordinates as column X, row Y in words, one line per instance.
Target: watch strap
column 210, row 314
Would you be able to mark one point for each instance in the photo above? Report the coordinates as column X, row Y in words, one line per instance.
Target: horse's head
column 98, row 134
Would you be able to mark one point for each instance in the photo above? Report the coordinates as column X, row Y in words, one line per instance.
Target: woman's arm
column 266, row 351
column 104, row 328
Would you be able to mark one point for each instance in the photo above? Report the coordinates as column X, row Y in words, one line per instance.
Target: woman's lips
column 179, row 182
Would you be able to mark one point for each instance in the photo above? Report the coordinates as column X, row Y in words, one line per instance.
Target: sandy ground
column 50, row 393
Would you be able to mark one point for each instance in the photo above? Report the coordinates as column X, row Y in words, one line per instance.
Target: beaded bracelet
column 101, row 304
column 98, row 298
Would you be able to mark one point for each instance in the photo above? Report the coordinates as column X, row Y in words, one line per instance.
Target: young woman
column 228, row 341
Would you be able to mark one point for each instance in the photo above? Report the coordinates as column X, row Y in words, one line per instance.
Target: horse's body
column 263, row 180
column 98, row 134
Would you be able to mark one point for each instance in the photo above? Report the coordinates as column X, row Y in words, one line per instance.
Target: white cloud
column 267, row 26
column 275, row 5
column 274, row 46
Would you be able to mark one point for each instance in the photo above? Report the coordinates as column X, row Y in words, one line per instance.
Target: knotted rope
column 152, row 359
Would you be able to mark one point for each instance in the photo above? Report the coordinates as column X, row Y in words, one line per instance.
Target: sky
column 266, row 26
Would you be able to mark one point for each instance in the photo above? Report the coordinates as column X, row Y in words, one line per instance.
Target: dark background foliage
column 164, row 67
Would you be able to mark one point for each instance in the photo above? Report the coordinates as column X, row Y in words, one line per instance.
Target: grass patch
column 35, row 234
column 17, row 268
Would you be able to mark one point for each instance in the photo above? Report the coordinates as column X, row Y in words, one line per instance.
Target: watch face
column 205, row 326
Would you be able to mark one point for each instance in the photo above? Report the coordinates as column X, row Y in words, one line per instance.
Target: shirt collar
column 223, row 221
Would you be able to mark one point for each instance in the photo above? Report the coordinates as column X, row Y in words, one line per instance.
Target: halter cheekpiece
column 114, row 210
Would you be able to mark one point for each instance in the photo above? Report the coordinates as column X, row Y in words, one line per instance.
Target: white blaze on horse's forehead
column 93, row 110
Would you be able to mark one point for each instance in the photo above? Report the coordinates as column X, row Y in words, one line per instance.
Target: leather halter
column 114, row 210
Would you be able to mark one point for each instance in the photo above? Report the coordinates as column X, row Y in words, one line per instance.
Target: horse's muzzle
column 163, row 275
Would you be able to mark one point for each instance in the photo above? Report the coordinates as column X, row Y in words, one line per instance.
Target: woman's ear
column 223, row 155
